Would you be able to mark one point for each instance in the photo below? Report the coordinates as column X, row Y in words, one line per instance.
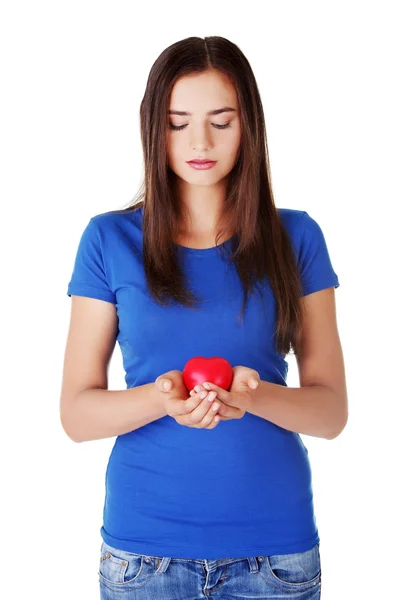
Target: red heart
column 216, row 370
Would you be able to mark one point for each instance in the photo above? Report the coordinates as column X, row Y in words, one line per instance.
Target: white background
column 73, row 75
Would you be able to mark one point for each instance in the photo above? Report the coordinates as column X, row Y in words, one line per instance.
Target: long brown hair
column 261, row 246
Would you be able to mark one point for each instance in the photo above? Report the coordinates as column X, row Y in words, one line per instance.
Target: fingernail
column 207, row 386
column 202, row 395
column 165, row 385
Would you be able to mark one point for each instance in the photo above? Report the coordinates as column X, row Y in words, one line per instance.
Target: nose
column 200, row 138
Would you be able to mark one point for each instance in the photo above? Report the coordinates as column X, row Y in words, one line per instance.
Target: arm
column 98, row 413
column 312, row 410
column 88, row 410
column 319, row 407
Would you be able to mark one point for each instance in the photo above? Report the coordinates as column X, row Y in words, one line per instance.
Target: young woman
column 205, row 497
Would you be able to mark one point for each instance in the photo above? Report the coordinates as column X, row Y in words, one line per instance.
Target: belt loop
column 163, row 565
column 253, row 564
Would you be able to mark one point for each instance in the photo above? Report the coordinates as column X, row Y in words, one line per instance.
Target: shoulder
column 292, row 219
column 112, row 219
column 300, row 225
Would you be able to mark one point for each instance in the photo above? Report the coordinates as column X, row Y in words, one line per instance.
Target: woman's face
column 203, row 136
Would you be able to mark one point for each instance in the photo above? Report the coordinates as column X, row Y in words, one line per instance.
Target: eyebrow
column 217, row 111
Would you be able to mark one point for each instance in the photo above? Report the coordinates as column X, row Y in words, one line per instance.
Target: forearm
column 97, row 413
column 311, row 410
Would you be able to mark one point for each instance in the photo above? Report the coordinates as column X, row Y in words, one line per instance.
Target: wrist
column 158, row 399
column 255, row 394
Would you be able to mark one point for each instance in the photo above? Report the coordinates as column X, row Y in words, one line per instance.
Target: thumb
column 166, row 385
column 253, row 383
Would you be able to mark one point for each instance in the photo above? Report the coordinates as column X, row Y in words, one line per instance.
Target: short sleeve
column 316, row 270
column 89, row 276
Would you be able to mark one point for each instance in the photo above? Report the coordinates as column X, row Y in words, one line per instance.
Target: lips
column 201, row 161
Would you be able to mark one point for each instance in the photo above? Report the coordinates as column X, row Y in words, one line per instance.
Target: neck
column 201, row 207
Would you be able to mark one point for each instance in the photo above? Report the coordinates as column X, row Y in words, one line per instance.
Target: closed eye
column 180, row 127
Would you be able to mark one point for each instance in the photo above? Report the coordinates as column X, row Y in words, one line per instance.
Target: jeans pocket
column 294, row 571
column 118, row 567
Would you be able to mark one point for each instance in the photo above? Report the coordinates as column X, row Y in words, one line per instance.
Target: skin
column 203, row 192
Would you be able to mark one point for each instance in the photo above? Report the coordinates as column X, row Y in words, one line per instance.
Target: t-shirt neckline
column 203, row 251
column 199, row 252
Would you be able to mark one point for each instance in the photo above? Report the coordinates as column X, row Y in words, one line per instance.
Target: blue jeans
column 130, row 576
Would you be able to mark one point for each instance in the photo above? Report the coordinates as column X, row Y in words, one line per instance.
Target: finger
column 198, row 388
column 209, row 421
column 194, row 401
column 214, row 422
column 229, row 412
column 211, row 417
column 221, row 393
column 199, row 412
column 184, row 407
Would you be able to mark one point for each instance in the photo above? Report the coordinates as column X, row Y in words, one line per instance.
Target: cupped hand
column 197, row 410
column 236, row 401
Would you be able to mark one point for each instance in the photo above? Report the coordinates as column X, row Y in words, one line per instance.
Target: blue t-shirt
column 243, row 488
